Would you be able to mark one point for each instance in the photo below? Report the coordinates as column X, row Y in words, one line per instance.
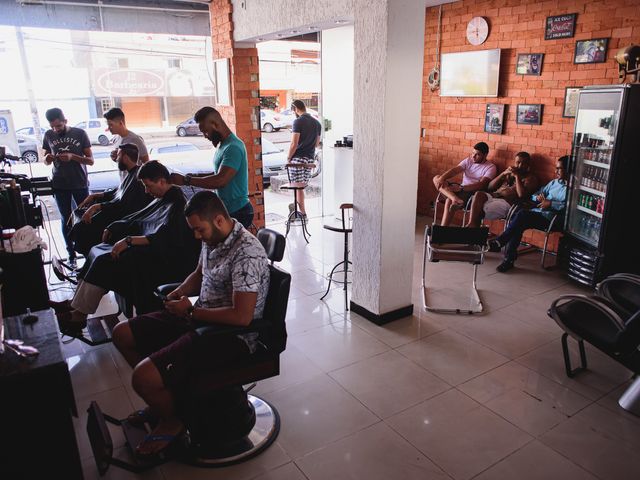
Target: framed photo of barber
column 529, row 114
column 494, row 118
column 570, row 101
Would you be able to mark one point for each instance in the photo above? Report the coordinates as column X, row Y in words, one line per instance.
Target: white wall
column 262, row 17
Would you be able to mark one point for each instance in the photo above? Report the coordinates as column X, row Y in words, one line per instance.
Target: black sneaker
column 505, row 266
column 494, row 246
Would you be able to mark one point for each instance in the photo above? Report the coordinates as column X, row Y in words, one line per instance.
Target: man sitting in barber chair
column 143, row 250
column 101, row 209
column 232, row 278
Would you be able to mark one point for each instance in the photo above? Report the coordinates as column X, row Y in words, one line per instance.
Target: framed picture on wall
column 529, row 113
column 529, row 63
column 560, row 26
column 570, row 101
column 591, row 51
column 494, row 118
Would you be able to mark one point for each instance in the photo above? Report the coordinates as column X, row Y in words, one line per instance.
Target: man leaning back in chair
column 232, row 279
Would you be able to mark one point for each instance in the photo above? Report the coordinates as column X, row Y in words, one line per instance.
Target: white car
column 270, row 121
column 273, row 161
column 97, row 130
column 288, row 116
column 182, row 157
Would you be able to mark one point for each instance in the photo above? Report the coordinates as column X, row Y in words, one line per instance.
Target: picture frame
column 591, row 51
column 570, row 101
column 529, row 63
column 560, row 26
column 529, row 114
column 494, row 118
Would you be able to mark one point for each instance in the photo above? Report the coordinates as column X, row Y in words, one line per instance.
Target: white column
column 389, row 50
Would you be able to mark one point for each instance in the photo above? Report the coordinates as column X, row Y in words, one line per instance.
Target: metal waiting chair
column 455, row 244
column 611, row 327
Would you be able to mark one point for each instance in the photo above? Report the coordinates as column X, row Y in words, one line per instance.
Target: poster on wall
column 591, row 51
column 529, row 63
column 494, row 118
column 529, row 113
column 560, row 26
column 570, row 101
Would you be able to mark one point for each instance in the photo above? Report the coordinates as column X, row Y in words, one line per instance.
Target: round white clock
column 477, row 30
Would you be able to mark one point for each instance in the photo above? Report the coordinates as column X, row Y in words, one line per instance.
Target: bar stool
column 295, row 187
column 346, row 209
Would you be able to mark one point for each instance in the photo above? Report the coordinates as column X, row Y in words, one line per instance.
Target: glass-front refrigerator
column 604, row 184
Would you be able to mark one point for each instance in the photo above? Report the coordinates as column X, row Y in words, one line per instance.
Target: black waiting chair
column 455, row 244
column 225, row 424
column 607, row 325
column 345, row 228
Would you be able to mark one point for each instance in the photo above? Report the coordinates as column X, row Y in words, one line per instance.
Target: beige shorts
column 496, row 208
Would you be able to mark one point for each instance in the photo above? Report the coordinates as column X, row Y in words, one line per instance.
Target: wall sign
column 560, row 26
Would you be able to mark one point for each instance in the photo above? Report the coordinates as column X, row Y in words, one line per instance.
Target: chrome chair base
column 630, row 399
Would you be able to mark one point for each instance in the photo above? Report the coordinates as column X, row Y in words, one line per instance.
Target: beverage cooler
column 604, row 185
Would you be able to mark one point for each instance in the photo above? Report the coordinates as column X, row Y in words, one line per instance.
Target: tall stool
column 346, row 210
column 296, row 214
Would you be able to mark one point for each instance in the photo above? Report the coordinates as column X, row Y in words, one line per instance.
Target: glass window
column 94, row 124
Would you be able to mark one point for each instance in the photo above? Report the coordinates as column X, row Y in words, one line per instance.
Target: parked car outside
column 188, row 127
column 270, row 121
column 97, row 130
column 28, row 148
column 273, row 161
column 30, row 131
column 288, row 116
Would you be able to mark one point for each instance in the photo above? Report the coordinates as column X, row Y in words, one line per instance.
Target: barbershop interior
column 343, row 239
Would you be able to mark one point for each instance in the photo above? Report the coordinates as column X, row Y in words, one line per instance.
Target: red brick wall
column 245, row 87
column 453, row 125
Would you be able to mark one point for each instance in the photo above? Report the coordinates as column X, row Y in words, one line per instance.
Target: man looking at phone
column 476, row 172
column 232, row 280
column 69, row 150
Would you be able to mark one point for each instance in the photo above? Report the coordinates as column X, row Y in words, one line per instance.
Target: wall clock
column 477, row 30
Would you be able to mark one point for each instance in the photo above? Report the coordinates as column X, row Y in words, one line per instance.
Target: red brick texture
column 453, row 125
column 245, row 87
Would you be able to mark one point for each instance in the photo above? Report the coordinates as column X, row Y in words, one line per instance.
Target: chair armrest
column 597, row 302
column 255, row 326
column 167, row 288
column 552, row 223
column 618, row 277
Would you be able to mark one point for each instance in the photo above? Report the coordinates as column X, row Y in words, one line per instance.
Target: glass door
column 593, row 153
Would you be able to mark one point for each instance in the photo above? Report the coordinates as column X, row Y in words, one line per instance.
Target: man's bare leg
column 126, row 344
column 451, row 204
column 477, row 205
column 148, row 383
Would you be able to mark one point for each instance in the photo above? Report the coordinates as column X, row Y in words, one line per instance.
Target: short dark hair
column 54, row 114
column 482, row 147
column 153, row 170
column 299, row 104
column 114, row 113
column 564, row 160
column 203, row 113
column 206, row 204
column 524, row 156
column 130, row 151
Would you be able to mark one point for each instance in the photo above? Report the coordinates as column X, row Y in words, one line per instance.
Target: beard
column 122, row 167
column 215, row 138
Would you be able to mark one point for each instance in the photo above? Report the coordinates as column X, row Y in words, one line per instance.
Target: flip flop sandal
column 169, row 438
column 140, row 417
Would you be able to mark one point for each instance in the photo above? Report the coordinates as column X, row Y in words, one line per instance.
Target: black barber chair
column 610, row 322
column 225, row 424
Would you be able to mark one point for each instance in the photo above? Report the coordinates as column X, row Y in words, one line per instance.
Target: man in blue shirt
column 550, row 200
column 230, row 167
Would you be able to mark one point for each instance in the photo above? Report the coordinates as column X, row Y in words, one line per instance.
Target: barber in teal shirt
column 231, row 175
column 551, row 200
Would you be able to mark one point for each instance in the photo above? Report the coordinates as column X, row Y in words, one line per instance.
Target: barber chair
column 455, row 244
column 611, row 323
column 225, row 424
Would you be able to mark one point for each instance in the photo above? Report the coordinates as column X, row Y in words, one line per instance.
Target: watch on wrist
column 187, row 180
column 128, row 241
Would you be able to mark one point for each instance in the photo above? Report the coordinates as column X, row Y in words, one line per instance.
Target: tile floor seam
column 504, row 458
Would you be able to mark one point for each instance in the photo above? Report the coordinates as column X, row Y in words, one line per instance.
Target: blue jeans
column 67, row 201
column 244, row 215
column 521, row 221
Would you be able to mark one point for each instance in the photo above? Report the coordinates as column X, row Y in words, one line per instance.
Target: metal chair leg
column 567, row 359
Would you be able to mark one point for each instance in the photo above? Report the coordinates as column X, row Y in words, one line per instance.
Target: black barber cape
column 172, row 253
column 116, row 204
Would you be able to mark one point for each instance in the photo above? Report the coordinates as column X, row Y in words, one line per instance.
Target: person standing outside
column 118, row 126
column 230, row 177
column 69, row 150
column 476, row 171
column 307, row 133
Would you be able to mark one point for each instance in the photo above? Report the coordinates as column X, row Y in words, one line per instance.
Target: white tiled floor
column 427, row 397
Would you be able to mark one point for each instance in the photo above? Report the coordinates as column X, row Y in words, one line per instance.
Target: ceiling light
column 294, row 31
